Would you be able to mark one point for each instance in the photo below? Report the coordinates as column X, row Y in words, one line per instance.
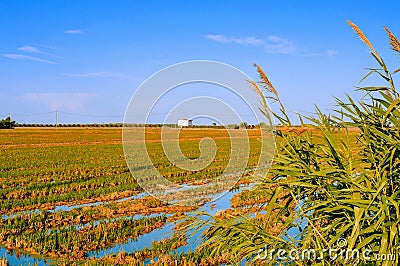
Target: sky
column 85, row 59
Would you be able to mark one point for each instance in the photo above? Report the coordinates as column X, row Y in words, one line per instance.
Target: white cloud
column 28, row 58
column 249, row 40
column 273, row 44
column 218, row 38
column 242, row 41
column 331, row 53
column 278, row 45
column 73, row 31
column 34, row 50
column 103, row 74
column 274, row 38
column 59, row 100
column 28, row 49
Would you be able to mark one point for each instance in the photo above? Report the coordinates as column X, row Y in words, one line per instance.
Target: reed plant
column 334, row 186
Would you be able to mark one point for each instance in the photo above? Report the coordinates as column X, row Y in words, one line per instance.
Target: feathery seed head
column 360, row 34
column 394, row 42
column 265, row 81
column 255, row 87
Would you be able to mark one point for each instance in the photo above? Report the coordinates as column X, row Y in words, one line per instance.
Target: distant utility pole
column 56, row 119
column 10, row 120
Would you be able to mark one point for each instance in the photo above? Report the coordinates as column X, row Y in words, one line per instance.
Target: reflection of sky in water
column 8, row 216
column 294, row 233
column 145, row 241
column 221, row 203
column 14, row 259
column 71, row 207
column 68, row 207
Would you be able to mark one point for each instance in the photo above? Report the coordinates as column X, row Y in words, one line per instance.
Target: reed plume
column 255, row 87
column 394, row 42
column 361, row 34
column 265, row 81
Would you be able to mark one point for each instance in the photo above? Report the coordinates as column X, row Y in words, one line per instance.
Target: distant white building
column 184, row 122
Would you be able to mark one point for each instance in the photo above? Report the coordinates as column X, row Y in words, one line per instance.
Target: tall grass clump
column 334, row 187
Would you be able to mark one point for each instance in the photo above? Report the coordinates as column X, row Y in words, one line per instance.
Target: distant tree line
column 70, row 125
column 230, row 126
column 113, row 125
column 7, row 123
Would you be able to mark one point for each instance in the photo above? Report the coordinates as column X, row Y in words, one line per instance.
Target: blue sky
column 86, row 58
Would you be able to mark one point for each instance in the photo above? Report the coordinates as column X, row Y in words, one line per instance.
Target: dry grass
column 3, row 262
